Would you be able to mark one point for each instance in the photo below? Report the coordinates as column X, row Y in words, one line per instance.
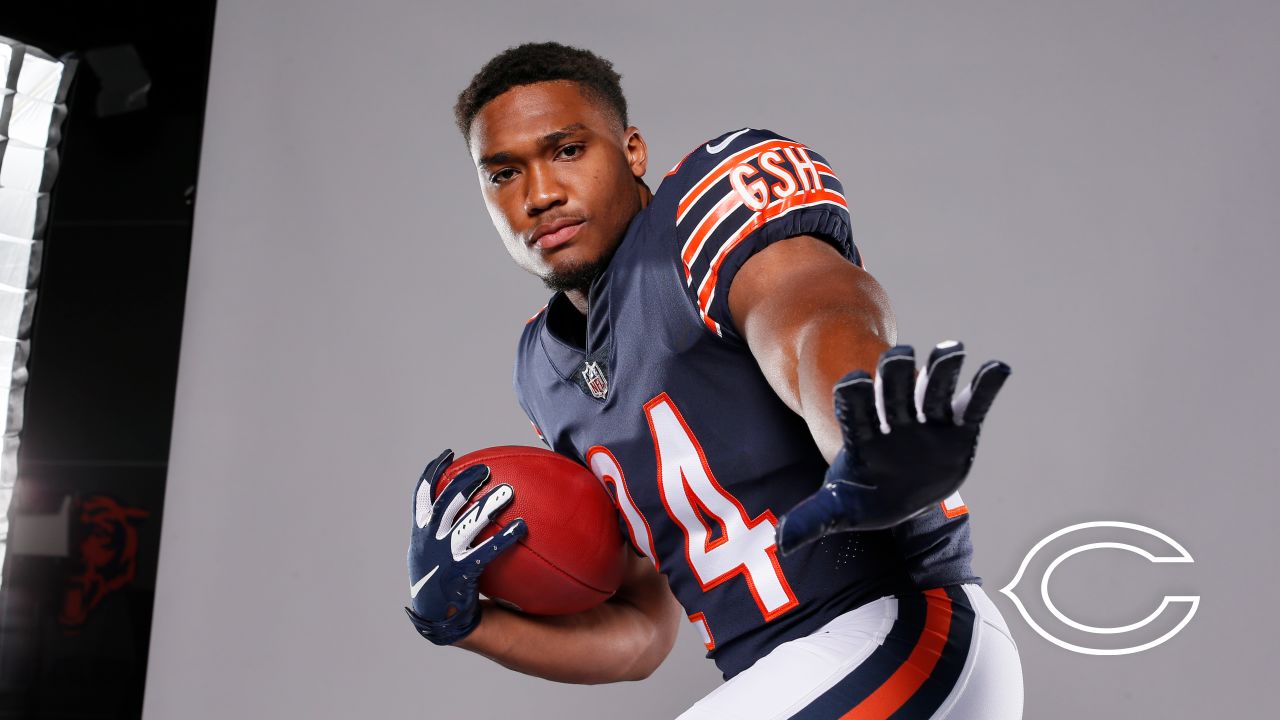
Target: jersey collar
column 567, row 357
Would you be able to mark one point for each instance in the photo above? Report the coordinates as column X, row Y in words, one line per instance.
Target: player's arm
column 809, row 316
column 819, row 328
column 625, row 638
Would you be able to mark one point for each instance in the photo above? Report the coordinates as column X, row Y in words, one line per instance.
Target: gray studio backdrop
column 1086, row 190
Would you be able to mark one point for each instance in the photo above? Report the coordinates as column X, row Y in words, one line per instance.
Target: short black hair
column 541, row 62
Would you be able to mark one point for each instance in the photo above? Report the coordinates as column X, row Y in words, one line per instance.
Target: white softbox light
column 32, row 109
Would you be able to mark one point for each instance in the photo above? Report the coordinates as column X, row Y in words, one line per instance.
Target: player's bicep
column 800, row 298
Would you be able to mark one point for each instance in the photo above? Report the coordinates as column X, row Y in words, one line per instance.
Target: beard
column 579, row 276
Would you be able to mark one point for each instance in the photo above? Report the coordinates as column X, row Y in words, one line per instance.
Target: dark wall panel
column 75, row 628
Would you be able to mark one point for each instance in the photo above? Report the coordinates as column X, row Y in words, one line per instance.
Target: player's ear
column 637, row 152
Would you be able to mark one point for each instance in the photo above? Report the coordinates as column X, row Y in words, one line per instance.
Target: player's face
column 559, row 178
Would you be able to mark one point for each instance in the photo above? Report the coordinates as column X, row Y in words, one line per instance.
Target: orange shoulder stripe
column 720, row 171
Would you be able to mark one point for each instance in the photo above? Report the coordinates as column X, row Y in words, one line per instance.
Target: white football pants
column 941, row 653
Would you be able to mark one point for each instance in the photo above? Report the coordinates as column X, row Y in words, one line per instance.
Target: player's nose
column 543, row 190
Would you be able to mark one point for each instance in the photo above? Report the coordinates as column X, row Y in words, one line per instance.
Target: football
column 572, row 557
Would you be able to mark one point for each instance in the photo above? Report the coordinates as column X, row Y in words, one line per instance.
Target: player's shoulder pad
column 741, row 191
column 524, row 370
column 756, row 167
column 529, row 338
column 748, row 171
column 706, row 156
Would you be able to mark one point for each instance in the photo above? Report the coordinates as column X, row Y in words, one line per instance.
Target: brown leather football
column 573, row 556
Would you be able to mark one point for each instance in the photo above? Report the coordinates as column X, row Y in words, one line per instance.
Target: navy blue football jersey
column 666, row 404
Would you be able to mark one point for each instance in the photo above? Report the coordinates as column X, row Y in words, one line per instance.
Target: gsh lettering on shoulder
column 775, row 175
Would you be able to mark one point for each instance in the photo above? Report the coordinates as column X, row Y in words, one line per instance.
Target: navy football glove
column 907, row 443
column 444, row 569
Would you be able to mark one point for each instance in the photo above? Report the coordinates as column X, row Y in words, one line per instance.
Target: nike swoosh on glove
column 909, row 442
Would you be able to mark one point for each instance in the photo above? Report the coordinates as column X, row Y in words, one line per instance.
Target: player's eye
column 502, row 176
column 570, row 152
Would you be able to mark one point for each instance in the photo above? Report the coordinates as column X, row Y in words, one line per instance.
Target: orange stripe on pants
column 907, row 679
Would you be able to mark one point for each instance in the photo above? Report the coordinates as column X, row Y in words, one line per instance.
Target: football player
column 716, row 354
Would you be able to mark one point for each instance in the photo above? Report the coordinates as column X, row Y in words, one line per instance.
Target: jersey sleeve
column 738, row 194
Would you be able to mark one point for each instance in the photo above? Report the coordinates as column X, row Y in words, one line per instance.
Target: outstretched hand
column 909, row 442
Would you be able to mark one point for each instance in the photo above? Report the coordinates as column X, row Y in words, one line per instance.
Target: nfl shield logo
column 595, row 379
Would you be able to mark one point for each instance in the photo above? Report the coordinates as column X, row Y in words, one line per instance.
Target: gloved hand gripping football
column 908, row 443
column 444, row 569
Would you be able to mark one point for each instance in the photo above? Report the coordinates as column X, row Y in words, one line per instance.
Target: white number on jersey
column 694, row 499
column 606, row 468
